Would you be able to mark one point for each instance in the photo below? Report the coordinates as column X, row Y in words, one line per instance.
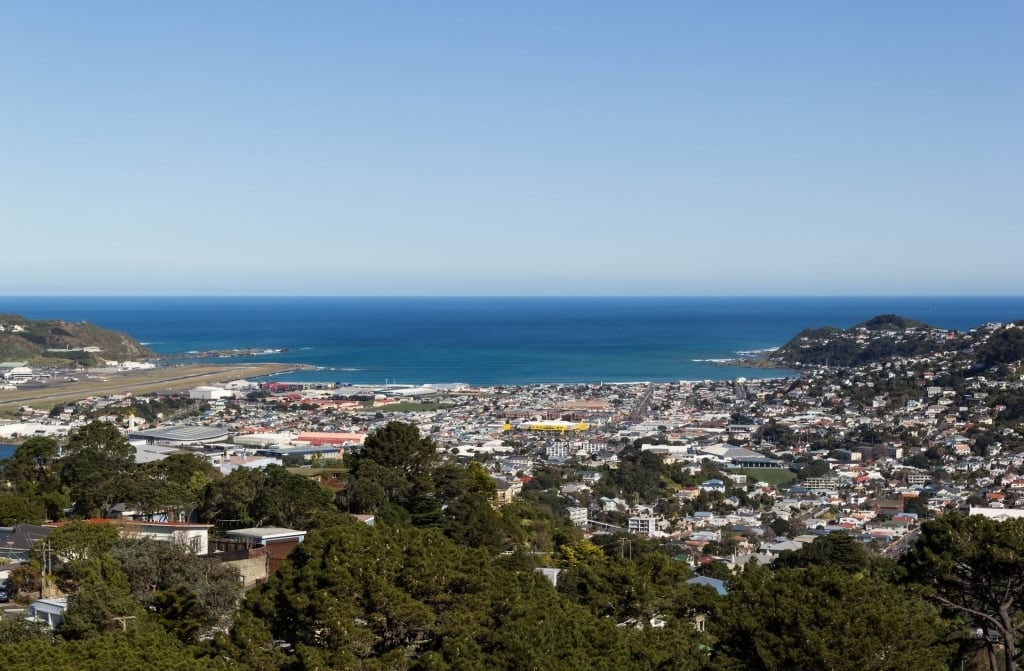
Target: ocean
column 492, row 341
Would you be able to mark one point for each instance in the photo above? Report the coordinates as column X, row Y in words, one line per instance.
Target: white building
column 644, row 525
column 578, row 516
column 194, row 537
column 15, row 371
column 136, row 365
column 206, row 393
column 29, row 429
column 264, row 439
column 267, row 535
column 998, row 514
column 47, row 611
column 226, row 463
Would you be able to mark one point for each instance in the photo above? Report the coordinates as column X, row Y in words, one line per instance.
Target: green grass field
column 773, row 476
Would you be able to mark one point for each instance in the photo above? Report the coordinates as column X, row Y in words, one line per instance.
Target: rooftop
column 184, row 434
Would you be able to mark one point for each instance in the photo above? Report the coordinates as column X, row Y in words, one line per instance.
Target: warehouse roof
column 184, row 434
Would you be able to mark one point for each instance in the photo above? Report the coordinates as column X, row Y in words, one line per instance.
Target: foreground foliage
column 356, row 597
column 152, row 650
column 973, row 567
column 444, row 579
column 825, row 618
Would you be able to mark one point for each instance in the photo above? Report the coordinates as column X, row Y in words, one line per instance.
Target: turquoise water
column 498, row 340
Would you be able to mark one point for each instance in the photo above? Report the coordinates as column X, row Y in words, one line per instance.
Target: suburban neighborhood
column 721, row 475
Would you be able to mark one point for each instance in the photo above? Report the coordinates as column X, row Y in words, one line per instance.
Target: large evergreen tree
column 393, row 473
column 974, row 567
column 269, row 497
column 33, row 475
column 96, row 467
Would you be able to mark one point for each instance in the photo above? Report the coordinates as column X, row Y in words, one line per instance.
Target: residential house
column 713, row 485
column 194, row 537
column 507, row 490
column 255, row 552
column 644, row 525
column 49, row 612
column 578, row 516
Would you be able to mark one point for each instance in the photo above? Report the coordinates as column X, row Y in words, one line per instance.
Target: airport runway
column 156, row 380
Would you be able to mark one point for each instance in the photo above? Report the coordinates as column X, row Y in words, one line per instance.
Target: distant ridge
column 36, row 341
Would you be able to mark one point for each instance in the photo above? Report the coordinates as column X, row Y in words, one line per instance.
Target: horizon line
column 510, row 296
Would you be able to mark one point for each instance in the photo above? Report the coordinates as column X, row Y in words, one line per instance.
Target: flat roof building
column 182, row 434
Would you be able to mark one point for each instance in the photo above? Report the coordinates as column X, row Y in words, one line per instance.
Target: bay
column 506, row 340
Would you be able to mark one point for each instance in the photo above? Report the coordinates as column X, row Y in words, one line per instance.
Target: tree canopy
column 269, row 497
column 192, row 596
column 355, row 596
column 96, row 467
column 973, row 567
column 822, row 618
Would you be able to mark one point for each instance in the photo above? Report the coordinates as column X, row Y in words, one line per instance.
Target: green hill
column 873, row 340
column 891, row 323
column 1005, row 345
column 32, row 340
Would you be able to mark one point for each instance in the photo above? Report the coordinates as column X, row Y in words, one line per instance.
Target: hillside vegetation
column 30, row 340
column 873, row 340
column 1002, row 347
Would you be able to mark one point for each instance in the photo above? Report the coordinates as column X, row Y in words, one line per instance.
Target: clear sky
column 512, row 148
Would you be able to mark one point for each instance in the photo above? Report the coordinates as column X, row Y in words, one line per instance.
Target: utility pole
column 44, row 590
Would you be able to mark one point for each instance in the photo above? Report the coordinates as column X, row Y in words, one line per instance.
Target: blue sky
column 517, row 148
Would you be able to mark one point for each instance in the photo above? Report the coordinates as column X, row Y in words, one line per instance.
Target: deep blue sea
column 6, row 450
column 498, row 340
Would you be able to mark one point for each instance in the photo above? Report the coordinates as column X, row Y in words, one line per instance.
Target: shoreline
column 181, row 377
column 760, row 364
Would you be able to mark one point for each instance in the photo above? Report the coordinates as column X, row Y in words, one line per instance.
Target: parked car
column 6, row 591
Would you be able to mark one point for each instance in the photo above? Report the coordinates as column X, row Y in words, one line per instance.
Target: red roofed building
column 331, row 438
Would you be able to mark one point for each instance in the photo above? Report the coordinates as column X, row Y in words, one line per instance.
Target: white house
column 194, row 537
column 47, row 611
column 645, row 525
column 578, row 516
column 713, row 485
